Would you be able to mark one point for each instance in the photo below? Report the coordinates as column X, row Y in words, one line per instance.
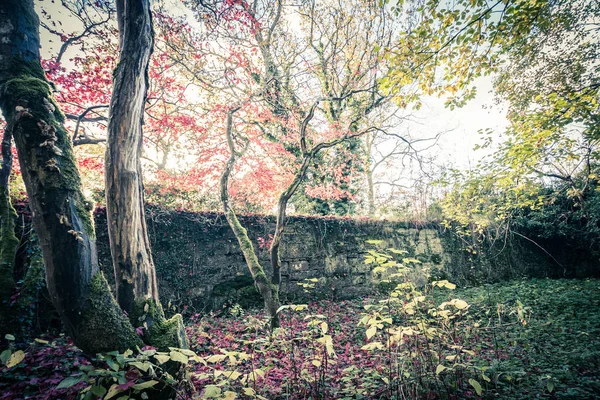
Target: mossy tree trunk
column 268, row 290
column 135, row 274
column 61, row 215
column 8, row 240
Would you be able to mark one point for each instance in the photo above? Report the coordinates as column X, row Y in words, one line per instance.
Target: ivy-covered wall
column 199, row 263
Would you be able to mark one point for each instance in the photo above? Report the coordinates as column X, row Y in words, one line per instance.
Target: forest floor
column 514, row 340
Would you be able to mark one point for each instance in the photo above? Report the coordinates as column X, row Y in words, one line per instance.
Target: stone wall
column 200, row 265
column 199, row 262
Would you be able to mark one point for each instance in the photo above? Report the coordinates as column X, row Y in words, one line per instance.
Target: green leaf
column 98, row 390
column 476, row 386
column 144, row 385
column 440, row 368
column 5, row 355
column 112, row 364
column 10, row 337
column 69, row 381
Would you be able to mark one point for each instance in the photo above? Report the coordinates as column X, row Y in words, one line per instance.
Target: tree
column 61, row 214
column 544, row 55
column 324, row 108
column 8, row 240
column 135, row 274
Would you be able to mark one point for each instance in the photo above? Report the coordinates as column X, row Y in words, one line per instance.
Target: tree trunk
column 8, row 240
column 369, row 172
column 135, row 274
column 268, row 290
column 370, row 192
column 61, row 215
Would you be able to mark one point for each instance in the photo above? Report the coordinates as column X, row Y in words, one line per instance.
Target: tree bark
column 268, row 290
column 369, row 172
column 135, row 274
column 61, row 215
column 8, row 240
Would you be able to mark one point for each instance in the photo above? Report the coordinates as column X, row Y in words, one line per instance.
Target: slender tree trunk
column 281, row 222
column 61, row 216
column 268, row 290
column 135, row 274
column 370, row 192
column 369, row 172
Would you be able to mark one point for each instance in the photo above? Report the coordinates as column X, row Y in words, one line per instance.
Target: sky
column 460, row 126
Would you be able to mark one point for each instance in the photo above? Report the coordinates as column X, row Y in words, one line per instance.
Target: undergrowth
column 515, row 340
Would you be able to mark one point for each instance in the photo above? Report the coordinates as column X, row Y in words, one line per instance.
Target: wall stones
column 199, row 262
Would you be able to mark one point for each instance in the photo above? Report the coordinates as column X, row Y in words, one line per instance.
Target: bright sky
column 455, row 147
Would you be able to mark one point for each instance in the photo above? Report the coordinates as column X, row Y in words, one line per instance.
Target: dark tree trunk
column 8, row 240
column 135, row 275
column 61, row 215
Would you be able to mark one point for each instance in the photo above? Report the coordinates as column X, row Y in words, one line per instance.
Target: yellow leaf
column 216, row 358
column 371, row 332
column 162, row 358
column 179, row 357
column 15, row 358
column 460, row 304
column 112, row 392
column 324, row 327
